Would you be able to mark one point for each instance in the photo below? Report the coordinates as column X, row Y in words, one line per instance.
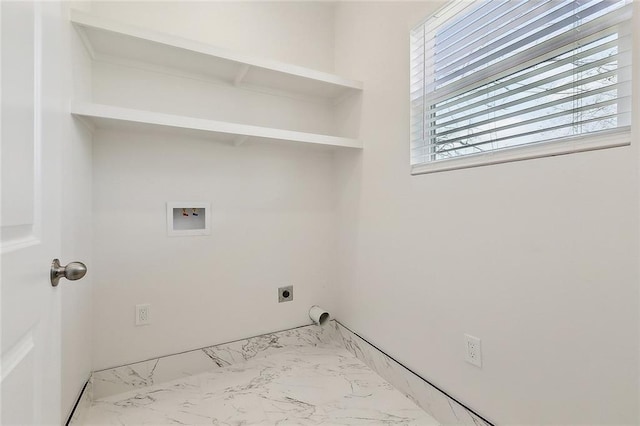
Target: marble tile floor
column 159, row 370
column 307, row 385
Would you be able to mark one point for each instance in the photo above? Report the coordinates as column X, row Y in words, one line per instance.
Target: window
column 493, row 75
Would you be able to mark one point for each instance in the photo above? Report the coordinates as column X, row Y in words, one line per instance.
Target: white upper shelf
column 106, row 39
column 105, row 116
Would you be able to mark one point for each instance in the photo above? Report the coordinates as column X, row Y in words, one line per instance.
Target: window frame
column 612, row 138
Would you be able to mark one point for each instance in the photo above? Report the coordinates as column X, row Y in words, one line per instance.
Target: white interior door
column 32, row 115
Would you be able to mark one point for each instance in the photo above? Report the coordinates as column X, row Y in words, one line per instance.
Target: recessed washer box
column 188, row 218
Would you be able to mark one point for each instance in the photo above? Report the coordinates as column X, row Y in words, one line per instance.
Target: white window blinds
column 496, row 74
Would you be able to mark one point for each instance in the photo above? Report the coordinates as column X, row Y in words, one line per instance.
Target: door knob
column 73, row 271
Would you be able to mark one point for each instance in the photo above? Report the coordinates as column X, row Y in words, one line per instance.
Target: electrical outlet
column 143, row 314
column 285, row 294
column 472, row 350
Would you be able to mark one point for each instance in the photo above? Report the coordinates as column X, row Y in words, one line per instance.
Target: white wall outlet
column 143, row 314
column 472, row 350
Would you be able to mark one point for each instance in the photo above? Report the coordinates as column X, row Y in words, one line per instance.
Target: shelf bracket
column 86, row 122
column 240, row 140
column 86, row 42
column 244, row 69
column 346, row 95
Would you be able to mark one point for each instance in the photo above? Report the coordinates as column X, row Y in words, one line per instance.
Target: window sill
column 603, row 140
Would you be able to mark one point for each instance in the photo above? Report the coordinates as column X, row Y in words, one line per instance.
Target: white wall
column 537, row 258
column 300, row 33
column 273, row 205
column 272, row 225
column 142, row 89
column 76, row 227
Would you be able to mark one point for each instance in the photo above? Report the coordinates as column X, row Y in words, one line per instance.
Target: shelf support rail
column 242, row 72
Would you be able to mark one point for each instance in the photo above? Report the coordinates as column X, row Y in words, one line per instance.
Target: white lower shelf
column 108, row 116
